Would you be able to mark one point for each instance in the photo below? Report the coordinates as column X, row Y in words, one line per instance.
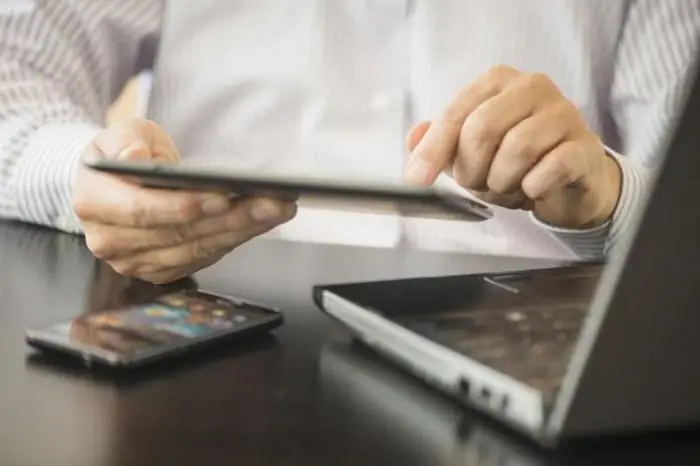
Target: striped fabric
column 625, row 63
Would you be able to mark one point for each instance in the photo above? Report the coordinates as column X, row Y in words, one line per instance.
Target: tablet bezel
column 405, row 200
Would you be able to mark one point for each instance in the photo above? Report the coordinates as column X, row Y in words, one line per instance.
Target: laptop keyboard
column 531, row 344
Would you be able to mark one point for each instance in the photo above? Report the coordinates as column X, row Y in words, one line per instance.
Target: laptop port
column 485, row 394
column 463, row 388
column 505, row 400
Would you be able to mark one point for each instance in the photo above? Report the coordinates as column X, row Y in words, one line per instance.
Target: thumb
column 415, row 136
column 136, row 139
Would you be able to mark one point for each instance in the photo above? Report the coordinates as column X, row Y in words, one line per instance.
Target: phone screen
column 171, row 320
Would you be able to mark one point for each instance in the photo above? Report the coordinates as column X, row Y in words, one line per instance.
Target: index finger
column 436, row 150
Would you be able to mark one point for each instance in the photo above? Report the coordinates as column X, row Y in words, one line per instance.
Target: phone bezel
column 44, row 338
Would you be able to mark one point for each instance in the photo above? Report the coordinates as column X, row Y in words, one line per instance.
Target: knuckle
column 534, row 188
column 138, row 212
column 536, row 81
column 241, row 217
column 163, row 146
column 518, row 143
column 180, row 233
column 590, row 144
column 478, row 131
column 501, row 72
column 98, row 245
column 82, row 206
column 566, row 113
column 530, row 189
column 498, row 184
column 560, row 165
column 125, row 268
column 187, row 208
column 155, row 130
column 569, row 177
column 453, row 114
column 122, row 135
column 465, row 176
column 563, row 109
column 197, row 251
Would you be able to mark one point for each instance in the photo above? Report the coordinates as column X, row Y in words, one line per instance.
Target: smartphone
column 335, row 194
column 169, row 325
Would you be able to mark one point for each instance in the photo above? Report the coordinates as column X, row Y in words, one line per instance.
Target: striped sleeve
column 655, row 63
column 594, row 243
column 62, row 63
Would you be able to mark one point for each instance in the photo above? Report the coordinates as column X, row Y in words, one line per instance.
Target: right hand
column 161, row 235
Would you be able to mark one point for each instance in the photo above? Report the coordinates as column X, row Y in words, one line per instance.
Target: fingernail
column 125, row 153
column 135, row 151
column 214, row 204
column 265, row 210
column 418, row 171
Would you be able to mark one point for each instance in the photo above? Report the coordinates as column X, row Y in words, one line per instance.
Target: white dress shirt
column 331, row 87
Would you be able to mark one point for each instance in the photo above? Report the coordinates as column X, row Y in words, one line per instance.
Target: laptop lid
column 635, row 367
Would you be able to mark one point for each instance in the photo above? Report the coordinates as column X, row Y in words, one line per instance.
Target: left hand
column 513, row 139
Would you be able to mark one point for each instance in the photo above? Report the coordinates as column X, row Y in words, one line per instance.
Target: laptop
column 382, row 404
column 565, row 353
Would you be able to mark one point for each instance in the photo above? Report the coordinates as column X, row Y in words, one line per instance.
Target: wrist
column 610, row 190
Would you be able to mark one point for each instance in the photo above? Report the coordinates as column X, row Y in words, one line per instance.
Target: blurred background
column 133, row 100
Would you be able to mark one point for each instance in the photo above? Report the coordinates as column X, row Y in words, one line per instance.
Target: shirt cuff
column 595, row 243
column 44, row 175
column 637, row 181
column 589, row 244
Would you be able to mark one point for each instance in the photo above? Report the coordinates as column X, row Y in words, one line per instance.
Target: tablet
column 381, row 198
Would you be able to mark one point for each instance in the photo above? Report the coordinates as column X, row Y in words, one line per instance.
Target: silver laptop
column 565, row 353
column 407, row 415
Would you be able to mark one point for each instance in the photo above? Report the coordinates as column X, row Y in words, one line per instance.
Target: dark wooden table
column 307, row 396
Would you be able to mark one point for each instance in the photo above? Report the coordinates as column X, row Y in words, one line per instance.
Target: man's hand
column 513, row 139
column 158, row 235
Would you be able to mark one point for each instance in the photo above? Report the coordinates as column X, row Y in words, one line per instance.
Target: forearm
column 59, row 73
